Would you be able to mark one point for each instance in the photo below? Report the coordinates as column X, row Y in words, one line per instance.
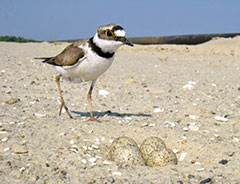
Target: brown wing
column 69, row 56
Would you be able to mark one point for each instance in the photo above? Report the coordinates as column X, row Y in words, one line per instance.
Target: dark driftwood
column 178, row 39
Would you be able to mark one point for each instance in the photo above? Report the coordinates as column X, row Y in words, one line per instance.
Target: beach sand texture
column 189, row 96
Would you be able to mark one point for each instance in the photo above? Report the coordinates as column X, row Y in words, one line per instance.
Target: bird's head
column 110, row 37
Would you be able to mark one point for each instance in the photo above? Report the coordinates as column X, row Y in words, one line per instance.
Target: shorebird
column 86, row 61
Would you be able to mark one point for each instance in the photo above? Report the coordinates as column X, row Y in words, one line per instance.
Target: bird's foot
column 93, row 119
column 66, row 109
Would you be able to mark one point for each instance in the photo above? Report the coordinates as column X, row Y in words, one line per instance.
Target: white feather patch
column 120, row 33
column 107, row 45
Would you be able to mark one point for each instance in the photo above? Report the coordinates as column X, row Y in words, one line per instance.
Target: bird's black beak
column 124, row 40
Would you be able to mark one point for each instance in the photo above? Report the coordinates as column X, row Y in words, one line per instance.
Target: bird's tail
column 45, row 59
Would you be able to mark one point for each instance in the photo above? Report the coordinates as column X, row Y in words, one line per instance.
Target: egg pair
column 152, row 152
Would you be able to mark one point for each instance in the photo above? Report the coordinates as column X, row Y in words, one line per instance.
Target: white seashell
column 94, row 146
column 5, row 139
column 193, row 127
column 22, row 169
column 194, row 117
column 84, row 161
column 97, row 140
column 92, row 159
column 98, row 157
column 6, row 149
column 107, row 162
column 236, row 139
column 175, row 151
column 200, row 169
column 102, row 138
column 221, row 118
column 21, row 123
column 61, row 134
column 90, row 148
column 3, row 132
column 188, row 86
column 185, row 128
column 116, row 173
column 40, row 115
column 111, row 141
column 157, row 110
column 152, row 125
column 103, row 92
column 183, row 155
column 197, row 163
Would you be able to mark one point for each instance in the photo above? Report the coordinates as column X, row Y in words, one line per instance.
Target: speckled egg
column 128, row 154
column 162, row 158
column 151, row 144
column 119, row 142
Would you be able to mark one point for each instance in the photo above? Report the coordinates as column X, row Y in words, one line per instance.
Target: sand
column 189, row 96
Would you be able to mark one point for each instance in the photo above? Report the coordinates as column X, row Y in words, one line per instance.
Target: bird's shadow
column 110, row 113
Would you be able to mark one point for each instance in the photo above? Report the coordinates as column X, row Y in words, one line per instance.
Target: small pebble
column 208, row 180
column 12, row 101
column 144, row 125
column 19, row 149
column 111, row 179
column 223, row 162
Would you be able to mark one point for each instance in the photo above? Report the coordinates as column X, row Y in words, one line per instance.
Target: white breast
column 88, row 68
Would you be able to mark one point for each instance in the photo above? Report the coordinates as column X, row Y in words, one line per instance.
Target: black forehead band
column 117, row 28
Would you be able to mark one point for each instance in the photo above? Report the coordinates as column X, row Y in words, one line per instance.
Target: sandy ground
column 187, row 95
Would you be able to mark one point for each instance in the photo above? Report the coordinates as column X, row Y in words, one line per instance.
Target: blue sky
column 72, row 19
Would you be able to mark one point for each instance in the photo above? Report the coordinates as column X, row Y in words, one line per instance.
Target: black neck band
column 98, row 50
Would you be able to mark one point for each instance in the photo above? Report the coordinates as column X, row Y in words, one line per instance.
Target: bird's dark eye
column 108, row 33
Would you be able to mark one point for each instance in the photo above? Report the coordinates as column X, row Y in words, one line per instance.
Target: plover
column 86, row 61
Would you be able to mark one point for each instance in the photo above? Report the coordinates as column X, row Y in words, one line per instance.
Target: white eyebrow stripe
column 120, row 33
